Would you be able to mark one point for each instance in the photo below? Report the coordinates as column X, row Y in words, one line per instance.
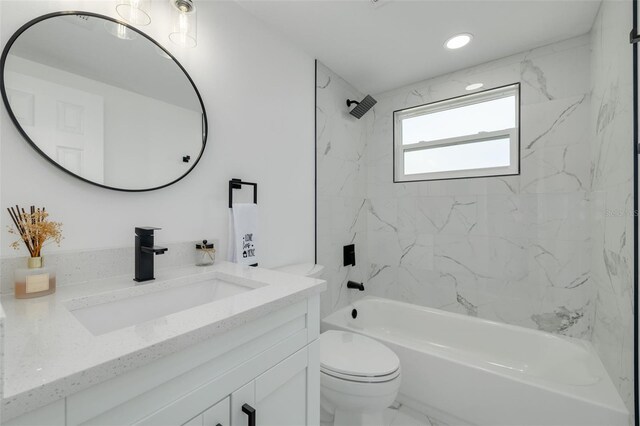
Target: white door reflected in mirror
column 106, row 108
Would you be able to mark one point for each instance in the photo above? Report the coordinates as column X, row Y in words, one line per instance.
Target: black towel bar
column 237, row 184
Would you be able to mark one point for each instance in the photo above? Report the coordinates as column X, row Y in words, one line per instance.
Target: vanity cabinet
column 218, row 415
column 279, row 396
column 271, row 364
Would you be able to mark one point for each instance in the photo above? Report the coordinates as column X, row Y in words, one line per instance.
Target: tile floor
column 404, row 416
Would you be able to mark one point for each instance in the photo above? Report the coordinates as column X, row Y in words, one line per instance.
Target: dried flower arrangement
column 34, row 229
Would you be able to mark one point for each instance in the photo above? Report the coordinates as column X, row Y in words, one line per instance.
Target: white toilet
column 359, row 376
column 309, row 270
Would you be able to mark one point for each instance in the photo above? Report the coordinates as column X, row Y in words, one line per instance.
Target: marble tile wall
column 612, row 200
column 342, row 207
column 78, row 267
column 514, row 249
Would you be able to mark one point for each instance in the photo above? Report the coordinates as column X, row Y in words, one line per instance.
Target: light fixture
column 458, row 41
column 474, row 86
column 184, row 31
column 119, row 30
column 135, row 12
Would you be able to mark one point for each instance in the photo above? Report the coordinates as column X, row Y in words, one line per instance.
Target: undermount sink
column 105, row 317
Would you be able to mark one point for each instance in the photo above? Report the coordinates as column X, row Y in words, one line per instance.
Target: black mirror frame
column 5, row 99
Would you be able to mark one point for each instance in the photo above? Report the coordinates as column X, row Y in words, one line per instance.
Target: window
column 469, row 136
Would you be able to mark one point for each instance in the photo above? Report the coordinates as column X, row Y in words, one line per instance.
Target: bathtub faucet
column 355, row 285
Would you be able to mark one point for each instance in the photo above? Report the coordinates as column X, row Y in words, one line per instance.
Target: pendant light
column 135, row 12
column 184, row 26
column 119, row 30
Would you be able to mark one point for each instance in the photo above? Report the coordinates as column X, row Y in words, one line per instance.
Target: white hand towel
column 243, row 222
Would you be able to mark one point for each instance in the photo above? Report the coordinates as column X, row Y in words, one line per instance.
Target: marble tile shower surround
column 514, row 249
column 341, row 203
column 78, row 267
column 611, row 135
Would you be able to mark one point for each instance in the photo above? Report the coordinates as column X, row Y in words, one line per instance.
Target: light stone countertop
column 49, row 354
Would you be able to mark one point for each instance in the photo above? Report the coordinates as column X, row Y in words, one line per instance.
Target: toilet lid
column 353, row 354
column 303, row 269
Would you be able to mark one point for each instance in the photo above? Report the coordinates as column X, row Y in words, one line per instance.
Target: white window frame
column 513, row 134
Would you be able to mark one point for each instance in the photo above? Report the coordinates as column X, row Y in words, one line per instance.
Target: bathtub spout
column 355, row 285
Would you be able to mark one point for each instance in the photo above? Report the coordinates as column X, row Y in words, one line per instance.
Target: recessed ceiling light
column 474, row 86
column 458, row 41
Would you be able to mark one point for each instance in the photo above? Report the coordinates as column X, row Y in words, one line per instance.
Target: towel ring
column 237, row 184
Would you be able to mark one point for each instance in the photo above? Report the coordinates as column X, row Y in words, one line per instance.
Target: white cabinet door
column 281, row 393
column 218, row 415
column 182, row 412
column 196, row 421
column 282, row 396
column 245, row 396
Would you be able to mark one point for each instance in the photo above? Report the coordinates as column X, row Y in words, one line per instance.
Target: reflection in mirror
column 103, row 101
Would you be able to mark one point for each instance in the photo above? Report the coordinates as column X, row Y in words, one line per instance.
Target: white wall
column 2, row 241
column 258, row 92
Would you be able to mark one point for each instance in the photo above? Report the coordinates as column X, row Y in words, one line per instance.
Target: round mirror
column 103, row 101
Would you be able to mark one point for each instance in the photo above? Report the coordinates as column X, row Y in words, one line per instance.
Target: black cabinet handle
column 251, row 413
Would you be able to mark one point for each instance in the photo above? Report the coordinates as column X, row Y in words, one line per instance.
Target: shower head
column 361, row 107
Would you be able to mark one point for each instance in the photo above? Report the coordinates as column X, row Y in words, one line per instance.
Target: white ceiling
column 397, row 42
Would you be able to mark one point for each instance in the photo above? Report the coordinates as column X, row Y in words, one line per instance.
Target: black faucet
column 145, row 250
column 356, row 286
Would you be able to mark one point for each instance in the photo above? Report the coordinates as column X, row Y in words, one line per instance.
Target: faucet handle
column 145, row 231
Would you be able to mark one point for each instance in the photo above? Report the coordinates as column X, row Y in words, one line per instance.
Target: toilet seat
column 360, row 379
column 357, row 358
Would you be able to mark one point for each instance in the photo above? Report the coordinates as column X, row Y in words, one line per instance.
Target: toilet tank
column 310, row 270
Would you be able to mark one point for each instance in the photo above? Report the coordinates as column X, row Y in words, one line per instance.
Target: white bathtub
column 471, row 371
